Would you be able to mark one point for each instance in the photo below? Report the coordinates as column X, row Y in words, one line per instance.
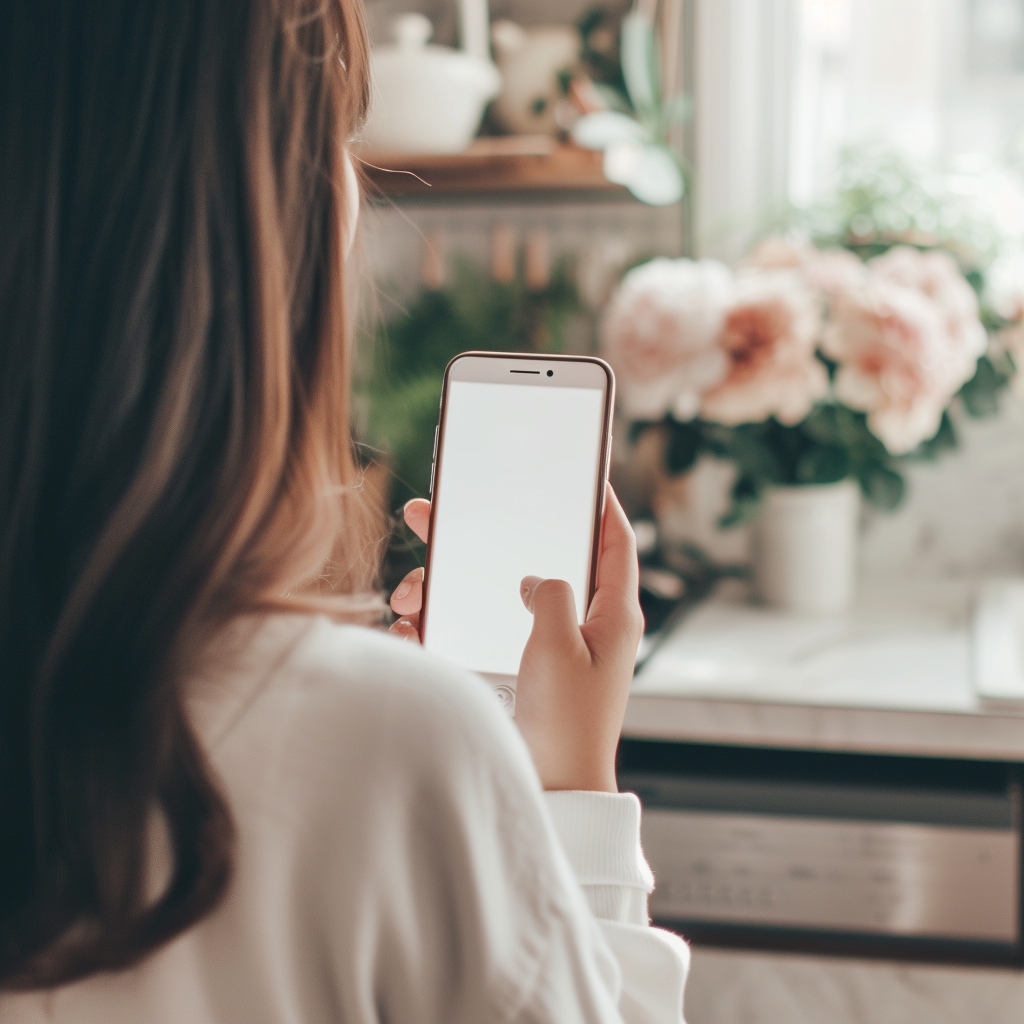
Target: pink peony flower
column 897, row 361
column 769, row 337
column 937, row 275
column 826, row 270
column 780, row 252
column 833, row 271
column 660, row 331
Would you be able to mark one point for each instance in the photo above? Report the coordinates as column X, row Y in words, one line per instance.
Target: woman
column 217, row 804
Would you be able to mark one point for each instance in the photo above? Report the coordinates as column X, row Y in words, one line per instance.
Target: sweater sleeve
column 600, row 834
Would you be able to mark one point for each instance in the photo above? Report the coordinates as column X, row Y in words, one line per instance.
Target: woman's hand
column 573, row 680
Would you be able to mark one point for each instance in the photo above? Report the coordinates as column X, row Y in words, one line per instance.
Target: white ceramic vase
column 805, row 547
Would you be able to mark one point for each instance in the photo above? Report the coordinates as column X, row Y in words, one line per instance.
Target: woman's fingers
column 553, row 607
column 616, row 601
column 417, row 517
column 407, row 627
column 407, row 598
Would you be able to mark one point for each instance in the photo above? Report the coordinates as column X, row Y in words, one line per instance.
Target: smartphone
column 517, row 488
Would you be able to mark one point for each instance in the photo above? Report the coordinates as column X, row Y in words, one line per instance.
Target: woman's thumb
column 553, row 607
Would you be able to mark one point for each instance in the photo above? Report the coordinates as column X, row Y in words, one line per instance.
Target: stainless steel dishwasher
column 861, row 854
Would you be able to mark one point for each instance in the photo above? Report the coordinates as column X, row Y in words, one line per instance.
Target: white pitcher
column 430, row 99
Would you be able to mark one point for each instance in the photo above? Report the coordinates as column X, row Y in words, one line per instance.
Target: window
column 940, row 82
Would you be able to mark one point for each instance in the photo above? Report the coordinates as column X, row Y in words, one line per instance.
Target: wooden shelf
column 530, row 164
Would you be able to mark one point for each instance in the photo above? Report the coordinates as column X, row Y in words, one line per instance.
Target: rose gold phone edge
column 604, row 460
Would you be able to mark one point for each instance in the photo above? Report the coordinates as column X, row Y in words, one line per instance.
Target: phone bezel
column 524, row 362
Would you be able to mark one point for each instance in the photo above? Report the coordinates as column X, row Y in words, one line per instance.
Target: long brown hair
column 173, row 424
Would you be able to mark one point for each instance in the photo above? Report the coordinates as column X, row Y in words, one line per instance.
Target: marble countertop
column 894, row 675
column 734, row 987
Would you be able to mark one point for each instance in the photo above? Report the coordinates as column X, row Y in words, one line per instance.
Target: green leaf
column 945, row 440
column 821, row 425
column 855, row 435
column 402, row 421
column 684, row 447
column 747, row 446
column 745, row 503
column 1004, row 365
column 882, row 487
column 616, row 100
column 981, row 393
column 638, row 428
column 590, row 19
column 639, row 62
column 607, row 128
column 650, row 172
column 823, row 464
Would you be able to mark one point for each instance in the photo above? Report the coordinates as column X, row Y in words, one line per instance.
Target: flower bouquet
column 806, row 367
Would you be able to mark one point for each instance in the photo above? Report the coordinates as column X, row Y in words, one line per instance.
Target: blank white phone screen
column 515, row 492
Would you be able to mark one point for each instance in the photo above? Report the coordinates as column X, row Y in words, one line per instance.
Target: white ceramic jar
column 805, row 547
column 426, row 99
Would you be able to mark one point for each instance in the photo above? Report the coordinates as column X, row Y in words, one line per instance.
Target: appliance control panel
column 792, row 849
column 925, row 880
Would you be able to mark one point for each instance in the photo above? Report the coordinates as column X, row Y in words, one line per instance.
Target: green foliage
column 599, row 54
column 685, row 445
column 832, row 444
column 638, row 114
column 981, row 393
column 945, row 440
column 402, row 383
column 883, row 487
column 882, row 199
column 641, row 72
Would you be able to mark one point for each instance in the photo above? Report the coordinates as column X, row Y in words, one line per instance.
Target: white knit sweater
column 396, row 860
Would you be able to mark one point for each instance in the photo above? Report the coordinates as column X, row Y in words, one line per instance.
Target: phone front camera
column 551, row 373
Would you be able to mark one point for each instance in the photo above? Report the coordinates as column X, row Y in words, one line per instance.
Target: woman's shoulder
column 391, row 680
column 369, row 750
column 358, row 698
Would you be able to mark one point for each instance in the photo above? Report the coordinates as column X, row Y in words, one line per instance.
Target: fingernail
column 404, row 589
column 404, row 629
column 526, row 589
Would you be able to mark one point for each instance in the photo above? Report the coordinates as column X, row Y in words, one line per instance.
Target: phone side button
column 430, row 492
column 436, row 429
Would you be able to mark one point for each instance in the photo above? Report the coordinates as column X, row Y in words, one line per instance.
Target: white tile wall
column 965, row 513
